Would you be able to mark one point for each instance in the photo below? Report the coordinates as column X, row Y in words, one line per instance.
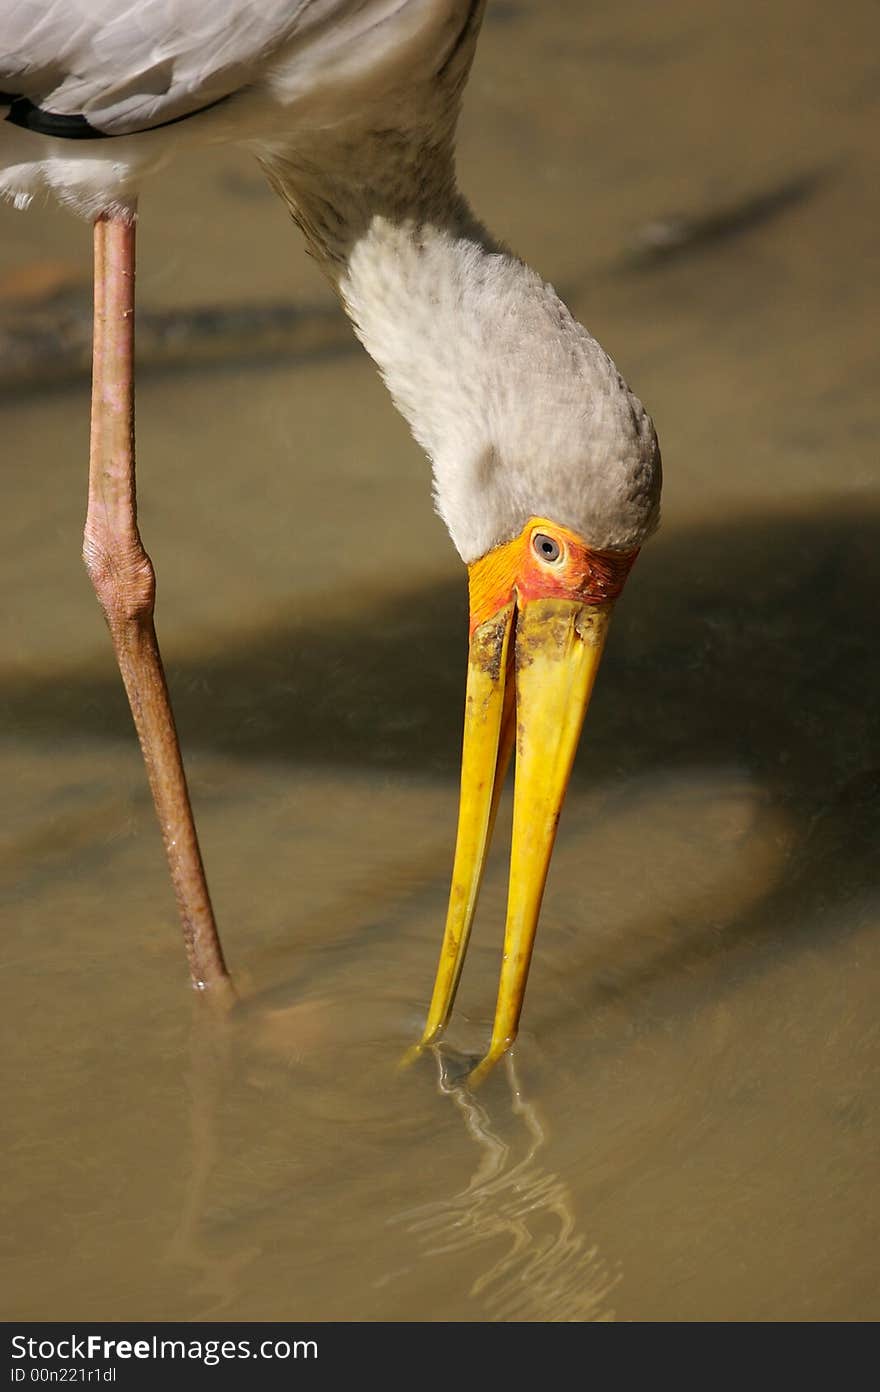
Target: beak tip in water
column 537, row 636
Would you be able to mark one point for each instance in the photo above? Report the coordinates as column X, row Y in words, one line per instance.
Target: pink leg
column 122, row 574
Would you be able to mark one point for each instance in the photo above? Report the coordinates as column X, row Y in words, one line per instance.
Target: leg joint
column 123, row 578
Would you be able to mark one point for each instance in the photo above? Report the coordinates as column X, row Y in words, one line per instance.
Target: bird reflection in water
column 548, row 1270
column 217, row 1277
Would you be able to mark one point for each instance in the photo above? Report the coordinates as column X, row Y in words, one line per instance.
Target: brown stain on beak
column 487, row 643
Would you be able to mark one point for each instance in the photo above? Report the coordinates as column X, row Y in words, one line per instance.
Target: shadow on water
column 740, row 644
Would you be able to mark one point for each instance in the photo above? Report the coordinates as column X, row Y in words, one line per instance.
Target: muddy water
column 689, row 1127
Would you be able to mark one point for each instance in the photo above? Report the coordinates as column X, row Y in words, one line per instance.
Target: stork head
column 547, row 474
column 549, row 482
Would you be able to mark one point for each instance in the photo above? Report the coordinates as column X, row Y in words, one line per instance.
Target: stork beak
column 553, row 659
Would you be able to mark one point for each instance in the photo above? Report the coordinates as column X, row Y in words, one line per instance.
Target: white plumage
column 520, row 410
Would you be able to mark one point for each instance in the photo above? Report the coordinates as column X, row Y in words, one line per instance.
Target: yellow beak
column 555, row 653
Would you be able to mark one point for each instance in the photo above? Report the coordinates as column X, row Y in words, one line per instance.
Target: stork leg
column 122, row 575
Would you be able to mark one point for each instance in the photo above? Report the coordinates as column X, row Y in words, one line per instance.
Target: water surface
column 689, row 1127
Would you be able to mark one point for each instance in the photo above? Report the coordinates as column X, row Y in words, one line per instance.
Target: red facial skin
column 517, row 570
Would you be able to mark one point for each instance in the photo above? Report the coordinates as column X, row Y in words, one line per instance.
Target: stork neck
column 520, row 411
column 407, row 257
column 349, row 184
column 412, row 289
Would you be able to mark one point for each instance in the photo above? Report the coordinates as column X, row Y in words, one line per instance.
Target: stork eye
column 546, row 548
